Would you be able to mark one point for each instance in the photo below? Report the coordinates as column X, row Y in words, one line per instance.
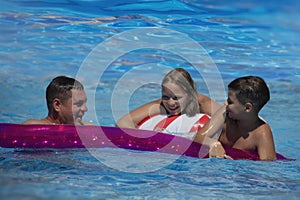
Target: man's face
column 73, row 109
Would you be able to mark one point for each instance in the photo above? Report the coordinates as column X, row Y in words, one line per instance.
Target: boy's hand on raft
column 216, row 150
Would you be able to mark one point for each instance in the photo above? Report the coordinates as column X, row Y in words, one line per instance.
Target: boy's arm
column 132, row 119
column 265, row 146
column 209, row 134
column 213, row 128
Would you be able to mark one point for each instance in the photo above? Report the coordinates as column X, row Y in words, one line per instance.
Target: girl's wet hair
column 183, row 79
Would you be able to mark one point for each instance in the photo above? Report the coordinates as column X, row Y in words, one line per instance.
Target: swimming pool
column 42, row 39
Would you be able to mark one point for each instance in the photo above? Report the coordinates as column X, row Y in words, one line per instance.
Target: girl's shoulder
column 207, row 105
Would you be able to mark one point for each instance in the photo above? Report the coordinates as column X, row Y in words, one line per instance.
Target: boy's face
column 74, row 108
column 234, row 108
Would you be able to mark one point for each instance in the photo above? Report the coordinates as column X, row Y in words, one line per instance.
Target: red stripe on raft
column 68, row 136
column 163, row 124
column 199, row 124
column 144, row 120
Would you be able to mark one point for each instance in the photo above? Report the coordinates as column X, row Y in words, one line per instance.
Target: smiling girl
column 179, row 98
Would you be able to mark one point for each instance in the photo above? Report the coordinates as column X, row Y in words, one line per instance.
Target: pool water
column 43, row 39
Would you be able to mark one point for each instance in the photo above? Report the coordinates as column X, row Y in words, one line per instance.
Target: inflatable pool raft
column 69, row 136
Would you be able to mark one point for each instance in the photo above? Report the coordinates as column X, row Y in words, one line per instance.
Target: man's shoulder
column 36, row 121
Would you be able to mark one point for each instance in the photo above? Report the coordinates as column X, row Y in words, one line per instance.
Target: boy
column 66, row 102
column 242, row 127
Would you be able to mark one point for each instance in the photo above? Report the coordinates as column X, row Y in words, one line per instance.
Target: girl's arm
column 132, row 119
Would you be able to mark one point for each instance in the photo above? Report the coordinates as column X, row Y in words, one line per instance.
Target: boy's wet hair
column 60, row 87
column 183, row 79
column 251, row 89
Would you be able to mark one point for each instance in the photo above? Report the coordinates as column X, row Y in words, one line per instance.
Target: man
column 66, row 102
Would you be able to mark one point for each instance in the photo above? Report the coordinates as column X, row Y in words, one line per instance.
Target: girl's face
column 174, row 98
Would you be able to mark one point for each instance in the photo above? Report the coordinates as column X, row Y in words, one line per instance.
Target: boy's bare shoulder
column 264, row 130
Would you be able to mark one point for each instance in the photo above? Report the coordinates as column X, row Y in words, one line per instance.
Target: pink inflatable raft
column 69, row 136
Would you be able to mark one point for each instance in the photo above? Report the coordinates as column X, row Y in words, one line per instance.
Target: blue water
column 42, row 39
